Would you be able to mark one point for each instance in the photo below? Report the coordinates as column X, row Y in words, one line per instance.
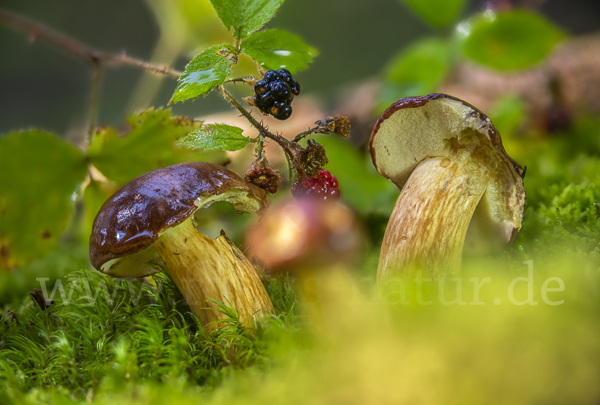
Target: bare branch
column 76, row 48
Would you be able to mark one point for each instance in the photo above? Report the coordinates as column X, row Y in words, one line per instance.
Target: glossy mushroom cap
column 135, row 216
column 414, row 129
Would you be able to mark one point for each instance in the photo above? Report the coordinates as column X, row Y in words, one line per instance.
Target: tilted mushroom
column 151, row 220
column 460, row 191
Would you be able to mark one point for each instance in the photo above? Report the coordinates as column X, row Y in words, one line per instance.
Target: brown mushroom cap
column 437, row 125
column 134, row 217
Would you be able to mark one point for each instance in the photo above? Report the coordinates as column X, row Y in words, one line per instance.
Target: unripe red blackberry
column 322, row 186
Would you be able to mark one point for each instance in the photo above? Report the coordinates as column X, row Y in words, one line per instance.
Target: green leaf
column 439, row 13
column 245, row 16
column 215, row 136
column 511, row 40
column 276, row 49
column 207, row 70
column 417, row 70
column 148, row 145
column 40, row 176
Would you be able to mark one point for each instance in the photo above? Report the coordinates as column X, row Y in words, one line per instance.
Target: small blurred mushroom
column 309, row 232
column 150, row 220
column 460, row 191
column 315, row 241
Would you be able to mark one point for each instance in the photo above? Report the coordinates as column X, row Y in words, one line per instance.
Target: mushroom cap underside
column 134, row 217
column 437, row 125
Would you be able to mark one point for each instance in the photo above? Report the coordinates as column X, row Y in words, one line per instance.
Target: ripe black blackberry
column 275, row 92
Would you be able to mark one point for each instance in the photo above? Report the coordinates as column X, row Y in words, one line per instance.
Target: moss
column 100, row 331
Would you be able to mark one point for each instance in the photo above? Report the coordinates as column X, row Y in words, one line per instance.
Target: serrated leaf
column 511, row 40
column 40, row 176
column 417, row 70
column 439, row 13
column 207, row 70
column 215, row 136
column 275, row 49
column 148, row 145
column 245, row 16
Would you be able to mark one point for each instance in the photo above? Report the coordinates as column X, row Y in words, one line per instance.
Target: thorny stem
column 323, row 127
column 260, row 127
column 315, row 130
column 260, row 147
column 246, row 79
column 76, row 48
column 287, row 146
column 304, row 134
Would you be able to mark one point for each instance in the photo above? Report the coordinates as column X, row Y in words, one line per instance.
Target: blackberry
column 275, row 92
column 286, row 76
column 280, row 90
column 280, row 110
column 322, row 186
column 271, row 76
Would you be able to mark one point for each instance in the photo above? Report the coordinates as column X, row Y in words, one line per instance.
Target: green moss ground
column 422, row 341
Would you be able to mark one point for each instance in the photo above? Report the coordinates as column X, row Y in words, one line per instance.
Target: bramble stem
column 304, row 134
column 260, row 147
column 326, row 126
column 287, row 146
column 76, row 48
column 261, row 128
column 246, row 80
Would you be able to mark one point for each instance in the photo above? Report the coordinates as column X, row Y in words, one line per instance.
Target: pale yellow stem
column 428, row 225
column 205, row 269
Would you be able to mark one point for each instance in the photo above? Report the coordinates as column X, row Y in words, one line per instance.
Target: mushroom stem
column 428, row 225
column 205, row 269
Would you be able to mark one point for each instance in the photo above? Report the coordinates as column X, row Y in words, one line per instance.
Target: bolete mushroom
column 150, row 220
column 460, row 191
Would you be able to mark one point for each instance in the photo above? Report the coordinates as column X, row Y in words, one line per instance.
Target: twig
column 287, row 146
column 260, row 127
column 95, row 100
column 304, row 134
column 76, row 48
